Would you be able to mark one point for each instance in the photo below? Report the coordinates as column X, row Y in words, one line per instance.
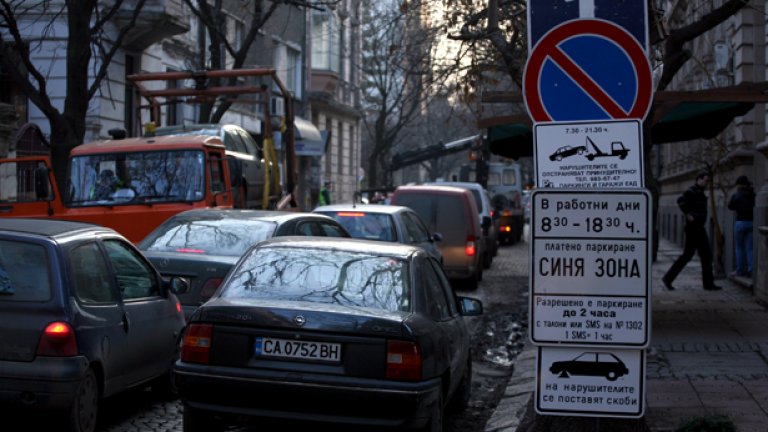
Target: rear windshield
column 228, row 237
column 24, row 272
column 364, row 225
column 321, row 276
column 440, row 212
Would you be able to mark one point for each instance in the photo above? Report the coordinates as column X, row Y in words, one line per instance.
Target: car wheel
column 564, row 374
column 85, row 407
column 471, row 283
column 487, row 259
column 460, row 399
column 197, row 420
column 435, row 423
column 241, row 202
column 611, row 376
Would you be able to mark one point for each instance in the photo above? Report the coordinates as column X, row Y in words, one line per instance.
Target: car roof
column 371, row 247
column 466, row 185
column 244, row 214
column 368, row 208
column 433, row 188
column 47, row 227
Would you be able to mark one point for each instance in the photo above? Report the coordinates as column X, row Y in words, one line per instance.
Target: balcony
column 323, row 82
column 158, row 20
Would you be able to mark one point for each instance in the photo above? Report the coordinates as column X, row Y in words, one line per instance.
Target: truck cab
column 131, row 185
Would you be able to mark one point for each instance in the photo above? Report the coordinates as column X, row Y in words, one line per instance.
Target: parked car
column 203, row 244
column 245, row 156
column 343, row 331
column 591, row 364
column 386, row 223
column 484, row 209
column 83, row 316
column 452, row 212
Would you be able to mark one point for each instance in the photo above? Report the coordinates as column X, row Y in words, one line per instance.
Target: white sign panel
column 590, row 267
column 606, row 154
column 589, row 382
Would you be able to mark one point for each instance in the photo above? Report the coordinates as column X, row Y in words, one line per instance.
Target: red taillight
column 506, row 228
column 470, row 249
column 506, row 213
column 403, row 361
column 209, row 288
column 58, row 340
column 196, row 347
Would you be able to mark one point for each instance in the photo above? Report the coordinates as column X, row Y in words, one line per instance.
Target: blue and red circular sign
column 587, row 69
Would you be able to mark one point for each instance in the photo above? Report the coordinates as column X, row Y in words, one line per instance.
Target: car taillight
column 58, row 340
column 403, row 361
column 470, row 248
column 209, row 288
column 506, row 213
column 506, row 228
column 196, row 346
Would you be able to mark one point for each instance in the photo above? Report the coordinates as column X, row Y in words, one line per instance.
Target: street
column 498, row 335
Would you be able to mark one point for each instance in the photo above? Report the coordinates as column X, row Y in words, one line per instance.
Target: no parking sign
column 587, row 69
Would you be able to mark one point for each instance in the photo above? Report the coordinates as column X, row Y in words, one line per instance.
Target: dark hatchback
column 343, row 331
column 83, row 315
column 202, row 245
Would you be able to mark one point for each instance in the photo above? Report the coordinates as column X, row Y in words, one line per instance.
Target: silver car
column 388, row 223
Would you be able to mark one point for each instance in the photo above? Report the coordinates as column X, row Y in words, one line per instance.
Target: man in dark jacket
column 742, row 202
column 693, row 203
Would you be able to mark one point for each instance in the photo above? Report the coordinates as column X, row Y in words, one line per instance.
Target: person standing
column 324, row 198
column 742, row 202
column 693, row 203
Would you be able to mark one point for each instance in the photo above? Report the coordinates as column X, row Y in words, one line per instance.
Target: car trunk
column 23, row 324
column 205, row 273
column 241, row 328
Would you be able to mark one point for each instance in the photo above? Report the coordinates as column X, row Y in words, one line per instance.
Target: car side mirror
column 42, row 190
column 469, row 306
column 436, row 237
column 179, row 285
column 487, row 222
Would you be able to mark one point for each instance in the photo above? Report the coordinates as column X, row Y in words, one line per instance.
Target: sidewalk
column 708, row 356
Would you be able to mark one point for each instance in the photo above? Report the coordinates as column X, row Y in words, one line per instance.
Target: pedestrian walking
column 743, row 202
column 693, row 203
column 324, row 198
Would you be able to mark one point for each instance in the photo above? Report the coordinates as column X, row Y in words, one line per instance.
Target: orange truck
column 131, row 185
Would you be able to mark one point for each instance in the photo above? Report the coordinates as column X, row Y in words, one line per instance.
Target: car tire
column 611, row 376
column 460, row 399
column 197, row 420
column 471, row 283
column 564, row 374
column 487, row 260
column 85, row 406
column 436, row 415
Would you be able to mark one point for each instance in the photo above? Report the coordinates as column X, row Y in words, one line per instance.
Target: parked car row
column 322, row 326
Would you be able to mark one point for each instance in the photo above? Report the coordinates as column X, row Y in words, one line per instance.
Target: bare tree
column 90, row 49
column 399, row 80
column 212, row 15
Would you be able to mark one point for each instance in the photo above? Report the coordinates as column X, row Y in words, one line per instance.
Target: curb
column 512, row 407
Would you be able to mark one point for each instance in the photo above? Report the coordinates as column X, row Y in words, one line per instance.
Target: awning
column 309, row 140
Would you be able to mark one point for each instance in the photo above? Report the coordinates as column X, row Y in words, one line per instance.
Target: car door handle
column 126, row 322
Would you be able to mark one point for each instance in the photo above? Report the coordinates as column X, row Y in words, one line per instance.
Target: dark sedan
column 203, row 244
column 342, row 331
column 82, row 316
column 388, row 223
column 591, row 364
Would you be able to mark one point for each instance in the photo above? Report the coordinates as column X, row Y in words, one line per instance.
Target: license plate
column 305, row 350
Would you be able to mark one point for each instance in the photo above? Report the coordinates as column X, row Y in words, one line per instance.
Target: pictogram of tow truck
column 617, row 150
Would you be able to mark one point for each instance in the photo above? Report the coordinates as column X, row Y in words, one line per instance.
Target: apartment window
column 293, row 71
column 325, row 41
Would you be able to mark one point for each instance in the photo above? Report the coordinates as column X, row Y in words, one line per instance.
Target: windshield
column 229, row 237
column 321, row 276
column 137, row 177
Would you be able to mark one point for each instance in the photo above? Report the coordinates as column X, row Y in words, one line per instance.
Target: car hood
column 278, row 314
